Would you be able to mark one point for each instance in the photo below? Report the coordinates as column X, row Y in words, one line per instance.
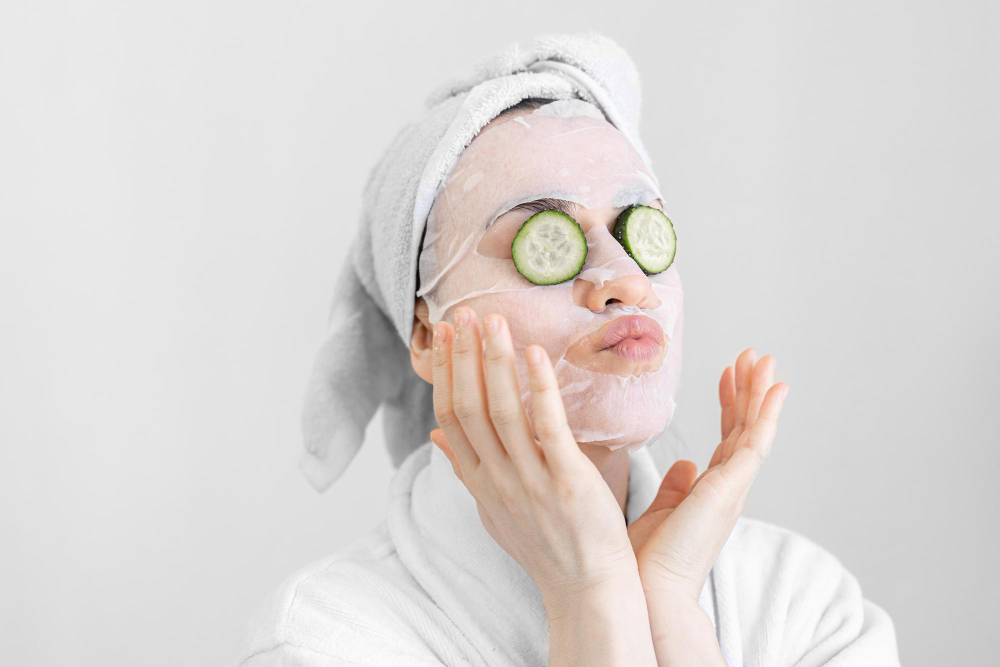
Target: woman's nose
column 630, row 289
column 615, row 277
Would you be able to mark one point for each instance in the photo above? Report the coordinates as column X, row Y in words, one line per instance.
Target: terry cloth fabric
column 430, row 586
column 365, row 362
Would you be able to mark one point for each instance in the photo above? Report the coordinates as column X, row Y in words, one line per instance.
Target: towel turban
column 364, row 362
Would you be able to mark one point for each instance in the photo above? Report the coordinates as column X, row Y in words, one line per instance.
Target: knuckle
column 462, row 350
column 439, row 361
column 547, row 429
column 564, row 488
column 467, row 407
column 445, row 418
column 759, row 456
column 718, row 491
column 538, row 383
column 503, row 414
column 442, row 401
column 441, row 396
column 494, row 355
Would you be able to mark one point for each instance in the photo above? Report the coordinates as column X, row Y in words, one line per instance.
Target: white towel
column 365, row 360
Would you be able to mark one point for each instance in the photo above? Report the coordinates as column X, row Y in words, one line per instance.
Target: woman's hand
column 678, row 539
column 697, row 515
column 538, row 495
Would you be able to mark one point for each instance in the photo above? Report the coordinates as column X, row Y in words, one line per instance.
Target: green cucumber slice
column 549, row 248
column 648, row 237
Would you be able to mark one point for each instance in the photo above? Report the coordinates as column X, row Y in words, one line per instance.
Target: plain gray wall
column 178, row 183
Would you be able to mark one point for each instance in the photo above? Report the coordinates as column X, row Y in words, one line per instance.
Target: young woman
column 547, row 323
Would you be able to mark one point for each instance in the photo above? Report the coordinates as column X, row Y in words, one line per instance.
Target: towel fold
column 364, row 362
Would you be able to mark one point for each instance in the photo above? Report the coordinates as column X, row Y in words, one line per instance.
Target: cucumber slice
column 549, row 248
column 648, row 237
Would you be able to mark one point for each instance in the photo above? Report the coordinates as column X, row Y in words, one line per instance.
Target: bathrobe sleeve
column 334, row 614
column 784, row 600
column 358, row 607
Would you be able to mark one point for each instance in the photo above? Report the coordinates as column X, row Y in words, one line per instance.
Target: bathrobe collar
column 435, row 525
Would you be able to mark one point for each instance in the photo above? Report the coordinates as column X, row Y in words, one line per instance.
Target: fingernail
column 533, row 355
column 784, row 393
column 492, row 323
column 438, row 333
column 461, row 317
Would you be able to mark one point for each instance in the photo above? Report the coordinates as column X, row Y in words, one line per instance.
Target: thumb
column 675, row 486
column 438, row 438
column 673, row 489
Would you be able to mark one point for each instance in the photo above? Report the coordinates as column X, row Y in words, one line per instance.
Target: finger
column 548, row 414
column 444, row 410
column 675, row 486
column 745, row 463
column 744, row 368
column 717, row 456
column 503, row 395
column 761, row 435
column 673, row 490
column 744, row 364
column 727, row 399
column 760, row 381
column 439, row 439
column 469, row 390
column 704, row 472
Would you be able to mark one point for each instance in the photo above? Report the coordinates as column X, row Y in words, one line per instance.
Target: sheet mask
column 568, row 108
column 563, row 151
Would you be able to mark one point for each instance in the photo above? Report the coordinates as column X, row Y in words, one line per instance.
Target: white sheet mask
column 560, row 151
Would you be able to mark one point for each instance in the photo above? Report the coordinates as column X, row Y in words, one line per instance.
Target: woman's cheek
column 541, row 318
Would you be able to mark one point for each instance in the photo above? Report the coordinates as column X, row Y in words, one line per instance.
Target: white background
column 178, row 182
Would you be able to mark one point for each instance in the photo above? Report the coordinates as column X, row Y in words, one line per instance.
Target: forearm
column 683, row 634
column 605, row 625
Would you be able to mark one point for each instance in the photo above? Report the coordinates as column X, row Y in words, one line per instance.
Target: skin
column 615, row 594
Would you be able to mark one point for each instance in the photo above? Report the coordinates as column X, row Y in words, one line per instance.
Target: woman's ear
column 421, row 341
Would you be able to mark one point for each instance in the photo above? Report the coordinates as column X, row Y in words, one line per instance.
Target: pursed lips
column 618, row 345
column 630, row 326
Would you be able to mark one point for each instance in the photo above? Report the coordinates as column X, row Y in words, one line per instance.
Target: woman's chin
column 632, row 435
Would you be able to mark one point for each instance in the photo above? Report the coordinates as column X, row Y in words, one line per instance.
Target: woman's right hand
column 538, row 495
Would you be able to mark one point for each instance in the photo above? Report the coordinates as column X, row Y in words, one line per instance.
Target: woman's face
column 612, row 332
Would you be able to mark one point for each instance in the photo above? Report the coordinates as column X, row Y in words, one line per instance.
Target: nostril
column 611, row 300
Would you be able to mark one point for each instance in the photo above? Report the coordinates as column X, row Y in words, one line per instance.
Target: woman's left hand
column 678, row 539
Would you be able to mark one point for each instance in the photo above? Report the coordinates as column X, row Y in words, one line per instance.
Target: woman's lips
column 623, row 346
column 630, row 326
column 634, row 337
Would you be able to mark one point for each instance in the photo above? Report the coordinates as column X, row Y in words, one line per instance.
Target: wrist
column 608, row 589
column 682, row 633
column 667, row 585
column 604, row 622
column 674, row 615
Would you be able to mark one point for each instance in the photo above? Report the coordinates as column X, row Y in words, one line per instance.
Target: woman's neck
column 614, row 468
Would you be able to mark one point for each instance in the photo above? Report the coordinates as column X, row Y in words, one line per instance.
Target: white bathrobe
column 429, row 586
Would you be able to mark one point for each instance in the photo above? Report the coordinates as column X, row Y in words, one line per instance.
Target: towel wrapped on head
column 365, row 361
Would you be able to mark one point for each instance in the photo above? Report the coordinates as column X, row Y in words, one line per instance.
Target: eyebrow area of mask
column 624, row 198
